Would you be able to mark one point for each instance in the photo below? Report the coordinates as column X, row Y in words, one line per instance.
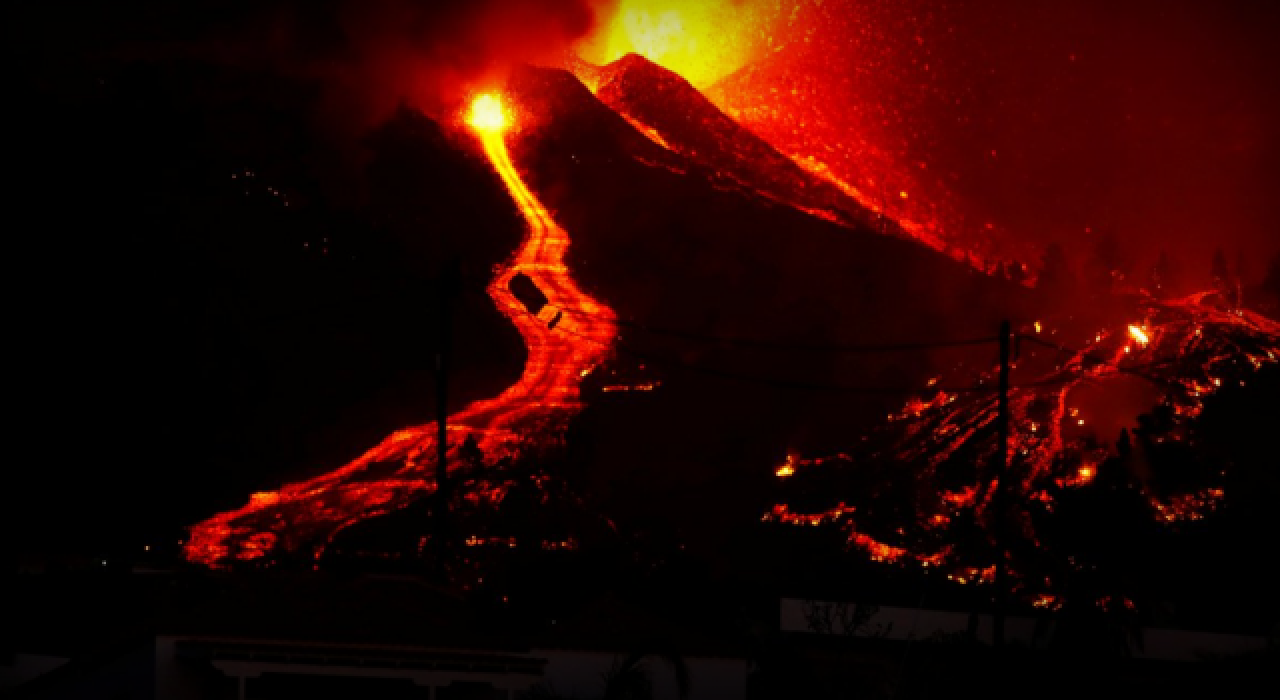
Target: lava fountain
column 566, row 339
column 768, row 68
column 703, row 40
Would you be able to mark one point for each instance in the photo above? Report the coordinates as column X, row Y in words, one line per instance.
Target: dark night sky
column 1162, row 127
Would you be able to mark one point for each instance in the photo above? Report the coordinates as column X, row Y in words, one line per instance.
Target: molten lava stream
column 400, row 468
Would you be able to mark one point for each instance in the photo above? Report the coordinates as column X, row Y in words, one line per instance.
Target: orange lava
column 401, row 468
column 487, row 114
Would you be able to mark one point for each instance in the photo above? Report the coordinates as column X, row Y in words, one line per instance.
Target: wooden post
column 999, row 502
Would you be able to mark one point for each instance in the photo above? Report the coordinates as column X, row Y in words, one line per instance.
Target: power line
column 837, row 388
column 783, row 346
column 1135, row 370
column 795, row 384
column 1044, row 343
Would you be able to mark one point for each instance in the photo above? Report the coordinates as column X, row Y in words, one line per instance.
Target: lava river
column 566, row 339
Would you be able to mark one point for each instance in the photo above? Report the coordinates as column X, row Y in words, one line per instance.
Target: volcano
column 708, row 308
column 678, row 117
column 735, row 250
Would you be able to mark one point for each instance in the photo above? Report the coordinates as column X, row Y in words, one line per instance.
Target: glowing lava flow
column 399, row 470
column 1185, row 350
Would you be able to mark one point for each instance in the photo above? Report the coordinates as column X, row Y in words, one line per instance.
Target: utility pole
column 999, row 503
column 448, row 289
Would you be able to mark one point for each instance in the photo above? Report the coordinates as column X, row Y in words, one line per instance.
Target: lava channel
column 566, row 339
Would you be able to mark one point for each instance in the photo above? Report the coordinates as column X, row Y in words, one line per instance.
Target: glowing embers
column 1046, row 601
column 879, row 551
column 889, row 554
column 568, row 544
column 783, row 514
column 1083, row 476
column 973, row 574
column 1189, row 506
column 642, row 386
column 915, row 407
column 793, row 463
column 491, row 541
column 257, row 545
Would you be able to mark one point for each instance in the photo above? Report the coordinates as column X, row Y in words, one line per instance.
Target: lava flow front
column 563, row 347
column 1183, row 352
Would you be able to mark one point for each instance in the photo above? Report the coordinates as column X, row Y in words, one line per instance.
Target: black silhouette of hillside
column 694, row 127
column 668, row 246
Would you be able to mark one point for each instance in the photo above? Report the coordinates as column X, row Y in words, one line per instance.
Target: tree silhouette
column 629, row 679
column 1107, row 265
column 1162, row 281
column 1057, row 282
column 1219, row 273
column 1016, row 273
column 1104, row 528
column 1271, row 285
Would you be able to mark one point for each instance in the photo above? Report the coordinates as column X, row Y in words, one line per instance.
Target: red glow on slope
column 1190, row 348
column 401, row 468
column 766, row 67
